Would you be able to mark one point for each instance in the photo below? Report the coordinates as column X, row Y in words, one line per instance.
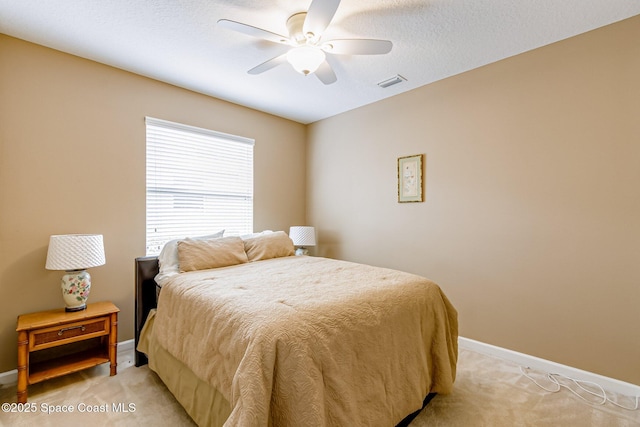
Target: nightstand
column 56, row 342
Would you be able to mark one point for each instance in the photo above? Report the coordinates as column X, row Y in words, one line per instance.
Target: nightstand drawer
column 68, row 333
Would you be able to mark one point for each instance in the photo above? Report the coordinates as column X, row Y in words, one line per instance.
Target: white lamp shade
column 303, row 236
column 305, row 59
column 75, row 252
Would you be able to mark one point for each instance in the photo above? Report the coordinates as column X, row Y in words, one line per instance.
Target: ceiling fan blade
column 266, row 66
column 325, row 73
column 253, row 31
column 319, row 15
column 358, row 47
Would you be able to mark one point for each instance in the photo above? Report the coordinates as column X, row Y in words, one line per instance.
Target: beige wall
column 72, row 155
column 531, row 222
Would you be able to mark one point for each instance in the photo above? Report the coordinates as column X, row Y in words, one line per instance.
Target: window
column 198, row 182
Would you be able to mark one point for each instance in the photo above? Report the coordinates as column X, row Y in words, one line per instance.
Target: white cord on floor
column 601, row 395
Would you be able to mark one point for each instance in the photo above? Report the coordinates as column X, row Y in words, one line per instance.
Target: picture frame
column 410, row 179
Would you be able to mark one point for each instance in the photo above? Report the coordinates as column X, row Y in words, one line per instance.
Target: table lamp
column 74, row 253
column 302, row 237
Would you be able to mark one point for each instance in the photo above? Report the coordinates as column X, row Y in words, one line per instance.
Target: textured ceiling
column 178, row 41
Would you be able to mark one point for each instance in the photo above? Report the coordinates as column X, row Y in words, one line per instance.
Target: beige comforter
column 310, row 341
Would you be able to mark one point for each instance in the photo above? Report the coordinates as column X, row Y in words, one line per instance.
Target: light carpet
column 488, row 392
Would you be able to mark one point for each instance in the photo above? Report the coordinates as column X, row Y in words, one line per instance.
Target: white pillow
column 168, row 258
column 252, row 235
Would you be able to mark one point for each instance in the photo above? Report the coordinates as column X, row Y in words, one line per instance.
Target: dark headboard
column 146, row 270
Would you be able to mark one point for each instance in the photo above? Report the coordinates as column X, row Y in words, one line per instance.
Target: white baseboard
column 609, row 384
column 125, row 346
column 125, row 359
column 8, row 378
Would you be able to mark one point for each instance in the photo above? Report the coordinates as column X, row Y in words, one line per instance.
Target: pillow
column 266, row 246
column 252, row 235
column 196, row 254
column 168, row 258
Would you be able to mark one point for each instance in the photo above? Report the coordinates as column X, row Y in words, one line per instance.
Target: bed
column 295, row 340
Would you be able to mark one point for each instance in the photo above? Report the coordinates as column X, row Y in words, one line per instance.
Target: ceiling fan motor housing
column 295, row 24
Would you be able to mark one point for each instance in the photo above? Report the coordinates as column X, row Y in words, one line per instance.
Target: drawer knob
column 61, row 331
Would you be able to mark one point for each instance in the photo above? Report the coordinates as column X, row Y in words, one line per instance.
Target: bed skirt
column 204, row 404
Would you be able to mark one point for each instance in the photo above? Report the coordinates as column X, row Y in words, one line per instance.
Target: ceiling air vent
column 392, row 81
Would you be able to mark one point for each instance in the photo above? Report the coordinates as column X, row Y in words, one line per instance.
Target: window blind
column 198, row 182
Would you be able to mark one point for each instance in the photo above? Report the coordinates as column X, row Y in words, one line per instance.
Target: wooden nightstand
column 55, row 342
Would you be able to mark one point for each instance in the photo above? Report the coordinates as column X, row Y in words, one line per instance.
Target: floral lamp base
column 76, row 285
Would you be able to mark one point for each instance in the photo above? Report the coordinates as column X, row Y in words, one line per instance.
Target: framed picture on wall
column 410, row 187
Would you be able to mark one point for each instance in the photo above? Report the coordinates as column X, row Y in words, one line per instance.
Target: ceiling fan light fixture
column 308, row 51
column 305, row 59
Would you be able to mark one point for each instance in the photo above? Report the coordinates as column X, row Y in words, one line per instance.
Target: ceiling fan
column 308, row 51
